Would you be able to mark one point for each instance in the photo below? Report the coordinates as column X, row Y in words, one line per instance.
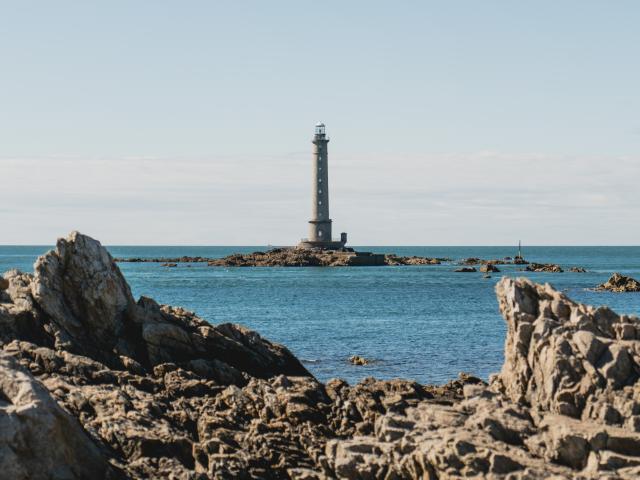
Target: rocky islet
column 620, row 283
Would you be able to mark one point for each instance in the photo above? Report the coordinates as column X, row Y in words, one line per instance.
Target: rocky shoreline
column 97, row 385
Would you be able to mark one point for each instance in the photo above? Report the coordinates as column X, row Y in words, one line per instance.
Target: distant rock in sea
column 97, row 385
column 466, row 269
column 544, row 267
column 497, row 261
column 299, row 257
column 358, row 360
column 578, row 270
column 620, row 283
column 489, row 268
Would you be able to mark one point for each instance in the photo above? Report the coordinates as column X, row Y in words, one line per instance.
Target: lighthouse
column 320, row 223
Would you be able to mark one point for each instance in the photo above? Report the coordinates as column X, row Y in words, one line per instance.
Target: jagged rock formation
column 32, row 423
column 566, row 404
column 96, row 385
column 578, row 270
column 620, row 283
column 544, row 267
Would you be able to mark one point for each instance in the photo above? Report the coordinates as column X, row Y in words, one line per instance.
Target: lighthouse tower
column 320, row 223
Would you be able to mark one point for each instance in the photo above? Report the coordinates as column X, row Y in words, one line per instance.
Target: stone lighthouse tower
column 320, row 223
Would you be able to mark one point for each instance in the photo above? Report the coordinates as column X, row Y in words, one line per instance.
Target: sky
column 451, row 123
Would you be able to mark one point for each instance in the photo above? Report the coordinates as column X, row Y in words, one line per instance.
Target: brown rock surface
column 298, row 257
column 358, row 360
column 620, row 283
column 96, row 385
column 544, row 267
column 489, row 268
column 38, row 439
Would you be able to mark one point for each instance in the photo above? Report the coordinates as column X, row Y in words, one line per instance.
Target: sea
column 425, row 323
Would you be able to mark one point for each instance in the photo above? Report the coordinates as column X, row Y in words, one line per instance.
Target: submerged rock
column 620, row 283
column 94, row 384
column 578, row 270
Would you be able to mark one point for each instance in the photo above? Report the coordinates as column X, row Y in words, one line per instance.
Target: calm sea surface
column 425, row 322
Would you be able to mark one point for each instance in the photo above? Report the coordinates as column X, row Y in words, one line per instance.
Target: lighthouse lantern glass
column 320, row 129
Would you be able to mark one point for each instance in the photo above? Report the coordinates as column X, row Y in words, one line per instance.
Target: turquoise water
column 423, row 322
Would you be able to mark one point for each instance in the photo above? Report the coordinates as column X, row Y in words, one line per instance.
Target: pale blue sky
column 462, row 122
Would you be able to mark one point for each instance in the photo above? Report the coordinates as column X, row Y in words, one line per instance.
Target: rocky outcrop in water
column 392, row 259
column 466, row 270
column 489, row 268
column 620, row 283
column 358, row 360
column 94, row 384
column 298, row 257
column 544, row 267
column 498, row 261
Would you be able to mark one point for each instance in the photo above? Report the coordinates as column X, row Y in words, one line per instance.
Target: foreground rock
column 566, row 404
column 96, row 385
column 38, row 439
column 544, row 267
column 620, row 283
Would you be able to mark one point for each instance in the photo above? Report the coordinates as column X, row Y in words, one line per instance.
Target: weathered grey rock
column 38, row 439
column 84, row 295
column 561, row 355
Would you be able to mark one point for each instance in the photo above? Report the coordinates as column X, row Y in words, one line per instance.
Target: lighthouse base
column 307, row 244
